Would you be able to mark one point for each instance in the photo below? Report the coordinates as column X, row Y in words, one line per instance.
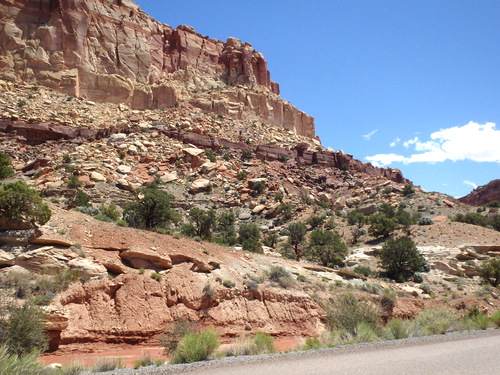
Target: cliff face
column 110, row 50
column 483, row 194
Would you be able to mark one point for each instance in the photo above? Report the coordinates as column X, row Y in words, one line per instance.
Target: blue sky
column 414, row 85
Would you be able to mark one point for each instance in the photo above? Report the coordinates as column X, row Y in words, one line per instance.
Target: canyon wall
column 110, row 50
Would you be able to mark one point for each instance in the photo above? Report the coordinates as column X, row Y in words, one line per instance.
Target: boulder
column 200, row 185
column 140, row 258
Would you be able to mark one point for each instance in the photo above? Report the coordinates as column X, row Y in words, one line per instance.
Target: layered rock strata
column 110, row 50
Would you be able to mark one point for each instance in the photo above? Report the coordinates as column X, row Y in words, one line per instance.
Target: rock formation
column 483, row 194
column 110, row 50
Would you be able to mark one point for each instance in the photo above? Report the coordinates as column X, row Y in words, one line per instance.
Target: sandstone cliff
column 110, row 50
column 483, row 194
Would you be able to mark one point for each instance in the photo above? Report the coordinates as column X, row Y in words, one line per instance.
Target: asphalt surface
column 477, row 353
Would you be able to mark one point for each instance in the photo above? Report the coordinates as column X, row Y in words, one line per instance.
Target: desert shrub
column 229, row 284
column 312, row 343
column 153, row 209
column 249, row 235
column 315, row 221
column 356, row 218
column 396, row 329
column 424, row 220
column 281, row 276
column 425, row 287
column 201, row 224
column 22, row 328
column 104, row 218
column 110, row 210
column 490, row 271
column 283, row 158
column 246, row 154
column 382, row 225
column 495, row 318
column 143, row 362
column 156, row 276
column 365, row 271
column 107, row 364
column 178, row 329
column 436, row 321
column 208, row 292
column 25, row 364
column 365, row 332
column 20, row 203
column 326, row 248
column 408, row 190
column 285, row 210
column 297, row 233
column 270, row 239
column 74, row 182
column 121, row 223
column 472, row 218
column 242, row 174
column 264, row 343
column 418, row 277
column 79, row 199
column 195, row 347
column 401, row 258
column 210, row 155
column 259, row 187
column 5, row 169
column 71, row 369
column 348, row 312
column 226, row 232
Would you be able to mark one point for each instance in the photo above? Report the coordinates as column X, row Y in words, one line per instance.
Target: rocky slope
column 482, row 195
column 111, row 51
column 99, row 95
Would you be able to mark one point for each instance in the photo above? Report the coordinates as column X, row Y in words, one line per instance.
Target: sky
column 410, row 84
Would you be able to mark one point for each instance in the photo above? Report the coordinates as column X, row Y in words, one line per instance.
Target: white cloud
column 368, row 136
column 476, row 142
column 470, row 183
column 395, row 142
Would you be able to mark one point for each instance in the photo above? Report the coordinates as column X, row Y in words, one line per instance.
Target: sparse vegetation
column 249, row 235
column 19, row 203
column 326, row 248
column 490, row 271
column 5, row 170
column 401, row 259
column 195, row 347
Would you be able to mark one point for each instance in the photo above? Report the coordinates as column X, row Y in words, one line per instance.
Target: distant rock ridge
column 483, row 194
column 110, row 50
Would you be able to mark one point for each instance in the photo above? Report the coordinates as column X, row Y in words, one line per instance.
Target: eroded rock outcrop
column 483, row 194
column 110, row 50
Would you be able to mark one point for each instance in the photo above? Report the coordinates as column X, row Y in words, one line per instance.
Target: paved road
column 467, row 356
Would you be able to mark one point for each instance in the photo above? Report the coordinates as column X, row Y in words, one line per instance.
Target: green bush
column 79, row 199
column 179, row 328
column 201, row 224
column 356, row 218
column 326, row 248
column 297, row 234
column 490, row 271
column 264, row 343
column 425, row 221
column 436, row 321
column 196, row 347
column 397, row 329
column 283, row 158
column 259, row 187
column 5, row 169
column 20, row 204
column 228, row 284
column 315, row 221
column 25, row 364
column 242, row 174
column 210, row 155
column 281, row 276
column 381, row 225
column 495, row 318
column 365, row 271
column 74, row 182
column 143, row 362
column 153, row 209
column 226, row 232
column 22, row 328
column 401, row 259
column 246, row 154
column 270, row 239
column 408, row 190
column 249, row 235
column 110, row 210
column 349, row 312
